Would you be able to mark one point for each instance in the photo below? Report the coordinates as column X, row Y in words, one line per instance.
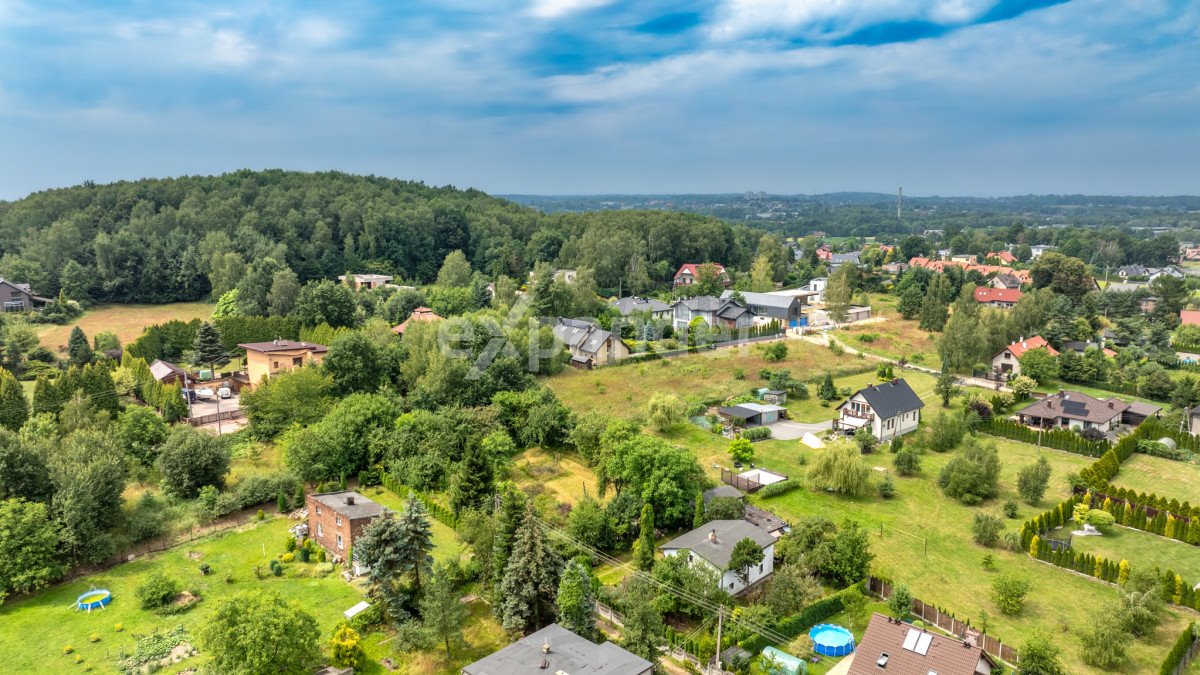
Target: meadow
column 127, row 321
column 895, row 337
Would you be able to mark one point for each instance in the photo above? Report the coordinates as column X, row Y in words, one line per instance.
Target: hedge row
column 810, row 616
column 1185, row 346
column 1181, row 510
column 1058, row 439
column 1178, row 650
column 1162, row 522
column 435, row 509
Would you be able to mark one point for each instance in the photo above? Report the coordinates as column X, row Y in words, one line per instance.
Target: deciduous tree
column 260, row 633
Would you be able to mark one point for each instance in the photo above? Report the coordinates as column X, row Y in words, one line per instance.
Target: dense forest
column 161, row 240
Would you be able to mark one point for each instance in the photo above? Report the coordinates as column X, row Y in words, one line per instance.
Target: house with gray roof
column 716, row 312
column 888, row 409
column 711, row 545
column 631, row 304
column 19, row 297
column 838, row 259
column 589, row 344
column 555, row 649
column 786, row 309
column 1076, row 410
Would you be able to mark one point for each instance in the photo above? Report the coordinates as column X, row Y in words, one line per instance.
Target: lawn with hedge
column 1143, row 549
column 1164, row 477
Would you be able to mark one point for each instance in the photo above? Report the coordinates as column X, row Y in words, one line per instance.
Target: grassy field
column 1164, row 477
column 127, row 321
column 894, row 338
column 623, row 391
column 1142, row 549
column 563, row 475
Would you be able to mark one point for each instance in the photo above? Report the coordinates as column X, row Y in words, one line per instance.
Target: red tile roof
column 694, row 269
column 1190, row 317
column 1003, row 255
column 1021, row 346
column 985, row 294
column 419, row 314
column 939, row 653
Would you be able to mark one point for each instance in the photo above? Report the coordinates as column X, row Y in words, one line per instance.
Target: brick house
column 337, row 519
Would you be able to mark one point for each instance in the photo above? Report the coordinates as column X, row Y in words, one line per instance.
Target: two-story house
column 633, row 304
column 365, row 281
column 715, row 312
column 712, row 545
column 589, row 344
column 998, row 298
column 337, row 519
column 687, row 274
column 19, row 297
column 786, row 309
column 1008, row 360
column 889, row 409
column 265, row 359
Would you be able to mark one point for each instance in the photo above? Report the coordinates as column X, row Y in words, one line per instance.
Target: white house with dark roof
column 712, row 545
column 889, row 409
column 786, row 309
column 589, row 344
column 715, row 312
column 631, row 304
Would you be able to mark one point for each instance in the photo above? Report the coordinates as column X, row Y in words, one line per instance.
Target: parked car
column 225, row 392
column 189, row 395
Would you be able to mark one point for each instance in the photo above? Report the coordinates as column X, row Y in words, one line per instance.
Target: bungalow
column 19, row 297
column 712, row 545
column 999, row 298
column 889, row 409
column 418, row 315
column 555, row 649
column 689, row 272
column 893, row 646
column 1076, row 410
column 366, row 281
column 631, row 304
column 1007, row 360
column 1127, row 271
column 715, row 312
column 267, row 359
column 753, row 414
column 836, row 260
column 589, row 344
column 786, row 309
column 1005, row 281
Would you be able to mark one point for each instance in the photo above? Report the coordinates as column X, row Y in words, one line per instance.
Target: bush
column 158, row 590
column 775, row 351
column 907, row 461
column 205, row 569
column 739, row 373
column 986, row 529
column 1008, row 592
column 94, row 637
column 1010, row 508
column 776, row 489
column 973, row 474
column 756, row 433
column 886, row 486
column 287, row 557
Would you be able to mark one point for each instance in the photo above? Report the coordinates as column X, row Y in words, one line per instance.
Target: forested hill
column 160, row 240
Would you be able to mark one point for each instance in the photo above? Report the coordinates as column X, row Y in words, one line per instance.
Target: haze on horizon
column 584, row 97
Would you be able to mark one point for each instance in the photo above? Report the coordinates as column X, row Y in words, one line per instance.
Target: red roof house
column 689, row 272
column 1007, row 360
column 1003, row 298
column 419, row 314
column 1004, row 256
column 1190, row 317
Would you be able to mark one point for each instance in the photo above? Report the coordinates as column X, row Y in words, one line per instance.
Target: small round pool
column 96, row 598
column 831, row 640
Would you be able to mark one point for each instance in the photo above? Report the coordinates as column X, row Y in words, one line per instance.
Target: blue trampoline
column 831, row 640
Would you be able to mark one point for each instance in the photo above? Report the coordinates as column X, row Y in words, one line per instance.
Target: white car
column 225, row 392
column 204, row 393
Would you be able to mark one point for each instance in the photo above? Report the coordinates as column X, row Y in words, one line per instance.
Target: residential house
column 1153, row 273
column 820, row 317
column 824, row 252
column 766, row 307
column 715, row 312
column 419, row 315
column 1189, row 317
column 964, row 258
column 555, row 650
column 589, row 344
column 167, row 373
column 366, row 281
column 1191, row 253
column 630, row 304
column 1000, row 298
column 712, row 545
column 1023, row 276
column 1003, row 256
column 1007, row 360
column 1080, row 347
column 266, row 359
column 753, row 414
column 1127, row 271
column 932, row 233
column 689, row 272
column 888, row 409
column 1005, row 281
column 1076, row 410
column 1118, row 287
column 337, row 519
column 1037, row 251
column 771, row 523
column 19, row 297
column 893, row 646
column 814, row 290
column 564, row 275
column 836, row 260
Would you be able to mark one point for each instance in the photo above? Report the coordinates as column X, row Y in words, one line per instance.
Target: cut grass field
column 1163, row 477
column 1143, row 549
column 127, row 321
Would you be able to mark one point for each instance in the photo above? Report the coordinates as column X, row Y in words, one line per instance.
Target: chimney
column 350, row 500
column 546, row 647
column 895, row 380
column 276, row 342
column 1110, row 404
column 712, row 536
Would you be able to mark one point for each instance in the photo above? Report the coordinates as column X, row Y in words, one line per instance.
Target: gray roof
column 730, row 491
column 889, row 399
column 766, row 299
column 732, row 310
column 700, row 303
column 727, row 534
column 764, row 519
column 844, row 258
column 1115, row 287
column 1076, row 405
column 161, row 369
column 361, row 508
column 748, row 410
column 630, row 304
column 568, row 653
column 582, row 335
column 1147, row 409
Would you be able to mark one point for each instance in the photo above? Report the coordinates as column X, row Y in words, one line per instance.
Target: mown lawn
column 623, row 391
column 1163, row 477
column 36, row 628
column 127, row 321
column 446, row 545
column 1053, row 388
column 1143, row 549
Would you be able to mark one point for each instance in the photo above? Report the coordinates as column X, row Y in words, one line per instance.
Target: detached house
column 554, row 650
column 689, row 272
column 266, row 359
column 1076, row 410
column 893, row 646
column 786, row 309
column 589, row 344
column 337, row 519
column 715, row 312
column 19, row 297
column 1007, row 360
column 633, row 304
column 999, row 298
column 366, row 281
column 1003, row 256
column 1005, row 280
column 418, row 315
column 712, row 545
column 889, row 410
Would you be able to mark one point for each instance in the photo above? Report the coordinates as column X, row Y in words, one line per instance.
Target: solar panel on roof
column 1075, row 407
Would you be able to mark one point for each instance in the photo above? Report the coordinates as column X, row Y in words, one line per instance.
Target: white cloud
column 232, row 48
column 318, row 32
column 553, row 9
column 833, row 18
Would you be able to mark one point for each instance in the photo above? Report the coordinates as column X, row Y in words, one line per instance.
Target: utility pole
column 899, row 201
column 720, row 621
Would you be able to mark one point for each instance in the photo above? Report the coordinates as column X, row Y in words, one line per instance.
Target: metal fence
column 931, row 614
column 213, row 418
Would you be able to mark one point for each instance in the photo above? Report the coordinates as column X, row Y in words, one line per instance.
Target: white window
column 320, row 530
column 338, row 521
column 318, row 510
column 339, row 542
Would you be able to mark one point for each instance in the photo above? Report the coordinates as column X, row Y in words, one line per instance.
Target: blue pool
column 831, row 640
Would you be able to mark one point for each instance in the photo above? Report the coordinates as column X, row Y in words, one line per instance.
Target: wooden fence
column 932, row 615
column 1182, row 666
column 744, row 484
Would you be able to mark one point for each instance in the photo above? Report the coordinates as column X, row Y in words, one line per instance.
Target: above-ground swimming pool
column 96, row 598
column 831, row 640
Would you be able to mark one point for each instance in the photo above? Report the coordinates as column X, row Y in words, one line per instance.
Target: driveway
column 789, row 430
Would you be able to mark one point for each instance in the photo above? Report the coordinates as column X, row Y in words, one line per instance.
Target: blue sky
column 950, row 97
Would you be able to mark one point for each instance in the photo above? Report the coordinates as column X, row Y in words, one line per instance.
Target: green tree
column 709, row 280
column 762, row 275
column 141, row 431
column 576, row 601
column 14, row 408
column 28, row 547
column 911, row 299
column 900, row 601
column 907, row 461
column 259, row 633
column 76, row 281
column 986, row 529
column 455, row 271
column 590, row 524
column 1008, row 592
column 973, row 474
column 827, row 392
column 1033, row 480
column 746, row 554
column 345, row 647
column 353, row 363
column 656, row 472
column 189, row 460
column 79, row 352
column 741, row 450
column 396, row 549
column 285, row 289
column 442, row 614
column 227, row 305
column 88, row 473
column 1039, row 364
column 839, row 291
column 643, row 552
column 840, row 467
column 24, row 473
column 1040, row 656
column 698, row 518
column 665, row 411
column 508, row 515
column 724, row 508
column 530, row 579
column 643, row 622
column 472, row 484
column 1105, row 643
column 326, row 302
column 935, row 305
column 946, row 386
column 298, row 396
column 209, row 348
column 1062, row 274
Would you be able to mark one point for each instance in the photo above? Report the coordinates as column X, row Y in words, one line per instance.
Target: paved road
column 790, row 430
